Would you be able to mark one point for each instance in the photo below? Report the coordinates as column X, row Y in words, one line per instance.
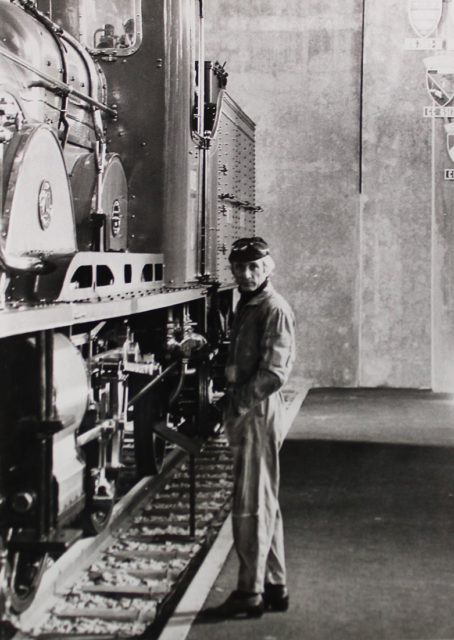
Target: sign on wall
column 424, row 16
column 440, row 79
column 449, row 128
column 440, row 86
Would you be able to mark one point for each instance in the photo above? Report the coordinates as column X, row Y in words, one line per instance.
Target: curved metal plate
column 70, row 382
column 38, row 213
column 115, row 204
column 83, row 187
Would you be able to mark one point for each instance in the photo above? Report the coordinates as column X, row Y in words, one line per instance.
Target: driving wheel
column 149, row 448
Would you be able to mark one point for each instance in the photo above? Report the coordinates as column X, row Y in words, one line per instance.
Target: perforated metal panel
column 236, row 209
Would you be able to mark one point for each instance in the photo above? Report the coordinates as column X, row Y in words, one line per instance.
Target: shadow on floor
column 369, row 525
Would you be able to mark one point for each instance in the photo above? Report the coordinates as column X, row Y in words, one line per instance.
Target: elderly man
column 260, row 358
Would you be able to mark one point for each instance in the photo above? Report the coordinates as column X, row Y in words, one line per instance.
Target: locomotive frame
column 115, row 290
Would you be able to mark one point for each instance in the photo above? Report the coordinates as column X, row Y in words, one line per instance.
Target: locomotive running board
column 16, row 321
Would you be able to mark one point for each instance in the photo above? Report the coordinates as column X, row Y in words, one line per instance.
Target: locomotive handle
column 56, row 86
column 150, row 385
column 46, row 343
column 48, row 426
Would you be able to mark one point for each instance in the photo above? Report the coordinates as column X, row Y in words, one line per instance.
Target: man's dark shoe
column 238, row 604
column 276, row 597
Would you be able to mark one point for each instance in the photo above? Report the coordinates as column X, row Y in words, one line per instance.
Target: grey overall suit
column 261, row 355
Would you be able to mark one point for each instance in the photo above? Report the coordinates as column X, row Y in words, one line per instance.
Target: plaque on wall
column 423, row 44
column 438, row 112
column 424, row 16
column 449, row 128
column 440, row 79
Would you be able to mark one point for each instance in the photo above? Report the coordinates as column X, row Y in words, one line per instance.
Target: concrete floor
column 368, row 500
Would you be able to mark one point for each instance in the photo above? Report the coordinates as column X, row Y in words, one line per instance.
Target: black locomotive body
column 126, row 173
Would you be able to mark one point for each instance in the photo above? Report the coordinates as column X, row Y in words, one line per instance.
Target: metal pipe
column 56, row 85
column 2, row 147
column 203, row 215
column 45, row 344
column 181, row 377
column 192, row 490
column 150, row 385
column 49, row 356
column 45, row 341
column 93, row 434
column 201, row 129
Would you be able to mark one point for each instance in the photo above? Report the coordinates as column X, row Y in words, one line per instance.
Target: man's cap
column 248, row 249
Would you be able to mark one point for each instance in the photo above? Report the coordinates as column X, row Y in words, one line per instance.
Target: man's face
column 249, row 275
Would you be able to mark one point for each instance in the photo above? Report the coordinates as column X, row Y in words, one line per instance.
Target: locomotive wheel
column 27, row 569
column 202, row 417
column 203, row 398
column 149, row 448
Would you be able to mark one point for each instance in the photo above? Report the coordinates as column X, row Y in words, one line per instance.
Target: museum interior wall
column 353, row 177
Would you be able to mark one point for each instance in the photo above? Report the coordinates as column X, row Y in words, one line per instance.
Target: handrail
column 147, row 387
column 56, row 85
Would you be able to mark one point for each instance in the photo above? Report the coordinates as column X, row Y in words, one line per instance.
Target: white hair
column 269, row 264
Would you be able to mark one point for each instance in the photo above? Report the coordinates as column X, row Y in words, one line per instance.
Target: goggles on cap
column 248, row 249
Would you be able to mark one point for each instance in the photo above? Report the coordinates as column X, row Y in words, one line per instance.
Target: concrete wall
column 442, row 262
column 395, row 242
column 360, row 227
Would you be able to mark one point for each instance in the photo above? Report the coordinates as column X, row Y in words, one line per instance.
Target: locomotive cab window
column 111, row 27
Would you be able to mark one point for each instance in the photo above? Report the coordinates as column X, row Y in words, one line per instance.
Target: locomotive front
column 126, row 172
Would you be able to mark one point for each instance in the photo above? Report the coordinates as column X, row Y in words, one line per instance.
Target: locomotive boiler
column 126, row 173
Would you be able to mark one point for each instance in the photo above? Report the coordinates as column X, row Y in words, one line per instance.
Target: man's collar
column 259, row 295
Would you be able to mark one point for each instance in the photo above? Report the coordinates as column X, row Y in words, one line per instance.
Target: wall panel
column 294, row 66
column 350, row 175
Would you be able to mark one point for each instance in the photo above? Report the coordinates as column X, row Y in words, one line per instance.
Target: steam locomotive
column 126, row 173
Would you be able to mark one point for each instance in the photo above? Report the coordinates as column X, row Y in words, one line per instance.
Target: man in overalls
column 261, row 355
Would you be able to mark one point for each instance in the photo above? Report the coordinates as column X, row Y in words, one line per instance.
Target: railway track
column 127, row 580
